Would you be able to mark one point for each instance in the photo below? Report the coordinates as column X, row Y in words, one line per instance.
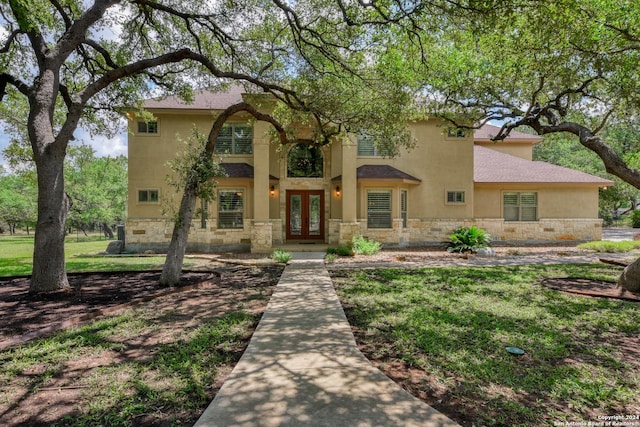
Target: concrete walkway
column 302, row 366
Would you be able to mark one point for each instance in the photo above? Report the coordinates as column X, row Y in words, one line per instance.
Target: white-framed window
column 148, row 196
column 455, row 197
column 520, row 206
column 231, row 209
column 235, row 138
column 367, row 147
column 379, row 209
column 454, row 132
column 147, row 127
column 403, row 207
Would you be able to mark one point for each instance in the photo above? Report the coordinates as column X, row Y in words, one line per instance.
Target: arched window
column 305, row 161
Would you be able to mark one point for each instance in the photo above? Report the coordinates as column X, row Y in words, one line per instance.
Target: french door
column 305, row 214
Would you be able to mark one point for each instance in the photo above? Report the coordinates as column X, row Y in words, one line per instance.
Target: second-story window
column 367, row 147
column 235, row 139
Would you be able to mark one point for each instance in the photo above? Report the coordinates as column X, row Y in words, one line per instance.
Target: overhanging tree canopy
column 72, row 63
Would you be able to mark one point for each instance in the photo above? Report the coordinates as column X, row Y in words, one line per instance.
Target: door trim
column 305, row 215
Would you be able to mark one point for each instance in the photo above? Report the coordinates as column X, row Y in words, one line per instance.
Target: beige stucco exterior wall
column 149, row 154
column 443, row 164
column 523, row 150
column 554, row 201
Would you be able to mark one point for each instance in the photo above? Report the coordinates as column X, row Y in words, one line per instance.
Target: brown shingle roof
column 240, row 170
column 381, row 172
column 486, row 132
column 204, row 99
column 491, row 166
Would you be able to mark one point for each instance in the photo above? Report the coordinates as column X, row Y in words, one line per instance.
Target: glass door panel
column 314, row 215
column 295, row 215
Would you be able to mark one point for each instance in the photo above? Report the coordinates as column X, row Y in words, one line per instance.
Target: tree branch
column 234, row 109
column 18, row 84
column 10, row 39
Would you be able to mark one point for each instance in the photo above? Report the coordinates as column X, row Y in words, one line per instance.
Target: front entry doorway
column 305, row 215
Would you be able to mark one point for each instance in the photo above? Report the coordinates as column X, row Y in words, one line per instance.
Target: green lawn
column 16, row 256
column 609, row 246
column 454, row 324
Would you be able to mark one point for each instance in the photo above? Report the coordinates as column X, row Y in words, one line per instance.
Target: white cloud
column 103, row 145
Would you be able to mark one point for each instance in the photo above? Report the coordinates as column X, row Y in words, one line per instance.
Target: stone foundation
column 155, row 234
column 429, row 231
column 259, row 237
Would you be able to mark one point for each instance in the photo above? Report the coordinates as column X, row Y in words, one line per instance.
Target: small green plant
column 343, row 250
column 281, row 256
column 468, row 239
column 330, row 258
column 363, row 246
column 635, row 219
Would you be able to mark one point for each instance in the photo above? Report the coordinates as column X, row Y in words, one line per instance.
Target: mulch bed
column 589, row 287
column 27, row 316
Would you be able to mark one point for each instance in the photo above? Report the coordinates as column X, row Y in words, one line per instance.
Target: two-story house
column 299, row 193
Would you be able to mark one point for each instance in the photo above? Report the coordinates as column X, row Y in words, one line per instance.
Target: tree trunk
column 630, row 277
column 107, row 231
column 172, row 269
column 49, row 272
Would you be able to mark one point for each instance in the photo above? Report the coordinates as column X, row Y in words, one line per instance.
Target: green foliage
column 343, row 250
column 363, row 246
column 468, row 239
column 18, row 196
column 609, row 246
column 454, row 324
column 635, row 219
column 281, row 256
column 97, row 186
column 330, row 258
column 190, row 166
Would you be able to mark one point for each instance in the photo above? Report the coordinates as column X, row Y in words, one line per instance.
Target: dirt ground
column 199, row 296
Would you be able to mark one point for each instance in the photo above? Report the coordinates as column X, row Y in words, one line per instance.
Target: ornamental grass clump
column 363, row 246
column 468, row 240
column 281, row 256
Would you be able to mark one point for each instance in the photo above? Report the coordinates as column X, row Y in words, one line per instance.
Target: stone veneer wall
column 438, row 230
column 155, row 234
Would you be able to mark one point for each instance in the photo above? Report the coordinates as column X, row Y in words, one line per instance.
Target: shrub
column 281, row 256
column 468, row 239
column 363, row 246
column 635, row 219
column 343, row 250
column 330, row 258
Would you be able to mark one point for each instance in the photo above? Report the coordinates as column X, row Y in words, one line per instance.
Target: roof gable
column 205, row 99
column 488, row 131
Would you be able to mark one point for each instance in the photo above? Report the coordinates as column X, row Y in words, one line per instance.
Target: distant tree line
column 97, row 187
